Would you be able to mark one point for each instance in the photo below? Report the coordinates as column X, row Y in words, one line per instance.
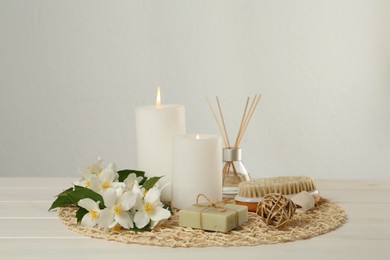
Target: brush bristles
column 284, row 184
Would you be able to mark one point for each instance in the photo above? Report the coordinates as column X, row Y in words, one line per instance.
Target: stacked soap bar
column 223, row 219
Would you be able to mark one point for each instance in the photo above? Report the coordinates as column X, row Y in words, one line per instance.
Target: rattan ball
column 275, row 209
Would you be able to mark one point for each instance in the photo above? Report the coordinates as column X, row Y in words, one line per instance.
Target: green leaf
column 65, row 191
column 80, row 214
column 145, row 228
column 62, row 200
column 72, row 196
column 123, row 174
column 82, row 193
column 167, row 205
column 149, row 183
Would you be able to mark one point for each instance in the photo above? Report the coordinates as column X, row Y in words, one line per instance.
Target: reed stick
column 242, row 121
column 251, row 111
column 242, row 127
column 235, row 171
column 246, row 118
column 225, row 167
column 223, row 121
column 216, row 120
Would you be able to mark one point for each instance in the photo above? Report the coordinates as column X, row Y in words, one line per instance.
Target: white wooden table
column 29, row 231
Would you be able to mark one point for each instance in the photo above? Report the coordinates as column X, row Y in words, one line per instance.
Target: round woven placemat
column 324, row 218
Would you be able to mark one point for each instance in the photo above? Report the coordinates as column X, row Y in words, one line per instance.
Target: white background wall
column 72, row 72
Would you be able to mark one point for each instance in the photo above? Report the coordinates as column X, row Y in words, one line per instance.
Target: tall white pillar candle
column 156, row 127
column 197, row 168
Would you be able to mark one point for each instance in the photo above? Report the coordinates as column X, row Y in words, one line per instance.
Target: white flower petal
column 113, row 224
column 119, row 192
column 118, row 185
column 86, row 175
column 80, row 182
column 141, row 219
column 124, row 219
column 153, row 195
column 131, row 177
column 136, row 188
column 94, row 183
column 95, row 167
column 106, row 217
column 111, row 166
column 128, row 200
column 87, row 221
column 109, row 197
column 153, row 224
column 139, row 204
column 159, row 213
column 88, row 204
column 130, row 180
column 107, row 175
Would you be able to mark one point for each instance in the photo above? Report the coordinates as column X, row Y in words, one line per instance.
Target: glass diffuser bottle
column 233, row 172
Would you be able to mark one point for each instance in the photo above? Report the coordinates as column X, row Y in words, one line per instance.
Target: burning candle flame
column 158, row 99
column 197, row 137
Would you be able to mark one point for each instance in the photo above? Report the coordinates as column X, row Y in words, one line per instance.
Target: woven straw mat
column 325, row 217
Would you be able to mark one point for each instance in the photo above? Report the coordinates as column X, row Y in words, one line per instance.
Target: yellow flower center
column 148, row 207
column 117, row 209
column 93, row 214
column 87, row 184
column 89, row 167
column 105, row 185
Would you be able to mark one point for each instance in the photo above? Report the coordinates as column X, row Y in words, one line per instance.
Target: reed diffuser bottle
column 233, row 171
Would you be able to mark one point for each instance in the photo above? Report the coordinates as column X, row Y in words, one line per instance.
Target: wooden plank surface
column 29, row 231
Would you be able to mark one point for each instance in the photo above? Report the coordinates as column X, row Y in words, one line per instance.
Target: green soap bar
column 214, row 219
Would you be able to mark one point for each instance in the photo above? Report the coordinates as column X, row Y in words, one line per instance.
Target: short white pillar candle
column 197, row 168
column 156, row 127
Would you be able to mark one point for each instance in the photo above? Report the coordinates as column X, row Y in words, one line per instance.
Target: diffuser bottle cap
column 231, row 154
